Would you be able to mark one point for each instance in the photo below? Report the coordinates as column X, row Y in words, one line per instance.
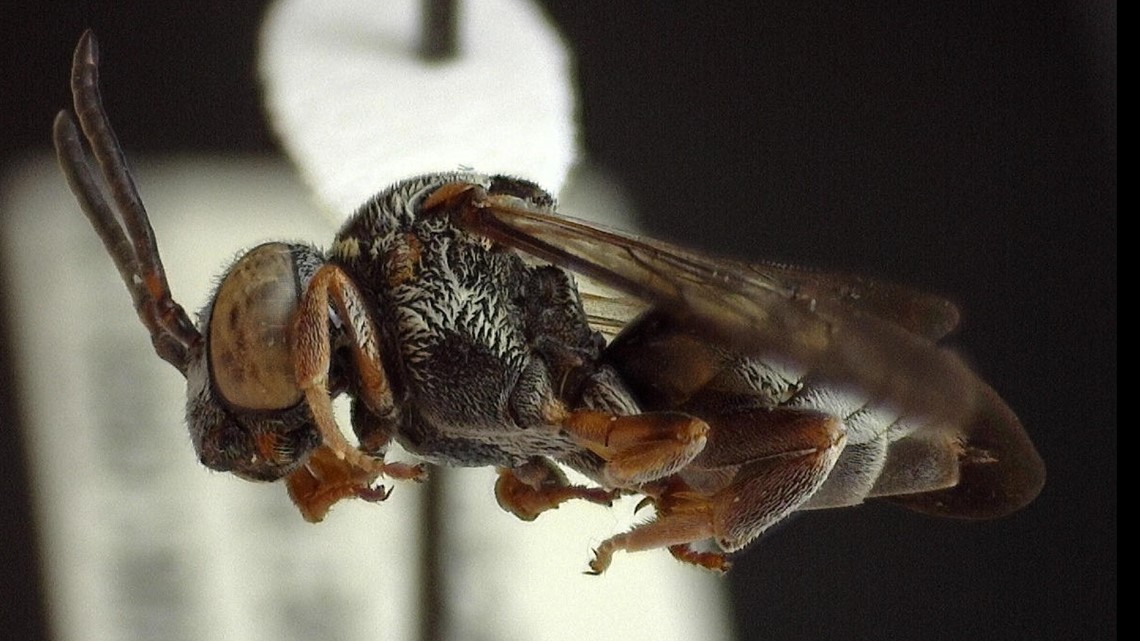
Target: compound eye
column 250, row 355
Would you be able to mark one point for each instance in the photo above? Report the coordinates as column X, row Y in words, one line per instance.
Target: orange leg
column 771, row 460
column 683, row 517
column 713, row 561
column 325, row 479
column 639, row 448
column 311, row 356
column 531, row 489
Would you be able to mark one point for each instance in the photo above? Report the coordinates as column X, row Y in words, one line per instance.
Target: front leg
column 325, row 479
column 338, row 469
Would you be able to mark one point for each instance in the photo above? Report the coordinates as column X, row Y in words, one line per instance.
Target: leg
column 634, row 449
column 531, row 489
column 639, row 448
column 714, row 561
column 311, row 356
column 759, row 465
column 325, row 479
column 683, row 517
column 853, row 476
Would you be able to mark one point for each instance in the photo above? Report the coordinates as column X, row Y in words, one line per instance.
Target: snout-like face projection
column 468, row 321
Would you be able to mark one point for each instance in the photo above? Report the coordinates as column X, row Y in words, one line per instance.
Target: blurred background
column 969, row 151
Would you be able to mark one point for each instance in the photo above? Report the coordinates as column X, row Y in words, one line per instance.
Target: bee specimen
column 449, row 310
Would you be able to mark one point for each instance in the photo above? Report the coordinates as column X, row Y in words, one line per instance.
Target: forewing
column 608, row 310
column 919, row 312
column 853, row 333
column 754, row 310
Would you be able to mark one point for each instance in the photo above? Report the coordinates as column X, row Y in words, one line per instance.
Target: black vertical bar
column 433, row 610
column 438, row 40
column 21, row 567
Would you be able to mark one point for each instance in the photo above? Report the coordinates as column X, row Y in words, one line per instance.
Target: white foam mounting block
column 356, row 108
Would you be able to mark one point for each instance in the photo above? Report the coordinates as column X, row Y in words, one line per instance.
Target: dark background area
column 967, row 150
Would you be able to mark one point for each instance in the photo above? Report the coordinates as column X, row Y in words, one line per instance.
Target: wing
column 608, row 310
column 924, row 314
column 850, row 332
column 774, row 313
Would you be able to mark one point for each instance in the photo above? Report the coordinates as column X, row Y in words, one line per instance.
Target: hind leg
column 759, row 465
